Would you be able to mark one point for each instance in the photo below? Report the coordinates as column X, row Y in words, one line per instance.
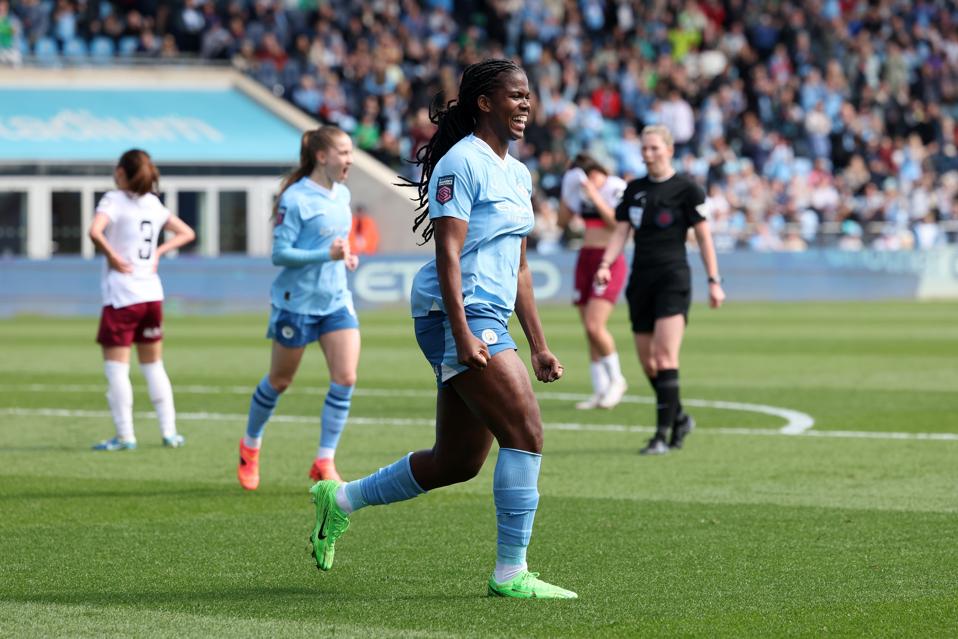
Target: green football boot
column 527, row 585
column 331, row 522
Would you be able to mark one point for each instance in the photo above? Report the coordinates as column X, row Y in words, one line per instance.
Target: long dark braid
column 455, row 120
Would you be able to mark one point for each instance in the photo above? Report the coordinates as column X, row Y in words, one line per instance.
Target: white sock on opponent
column 119, row 395
column 600, row 377
column 325, row 453
column 611, row 365
column 161, row 394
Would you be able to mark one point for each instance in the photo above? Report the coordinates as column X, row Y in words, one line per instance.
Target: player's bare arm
column 546, row 365
column 450, row 236
column 703, row 235
column 117, row 263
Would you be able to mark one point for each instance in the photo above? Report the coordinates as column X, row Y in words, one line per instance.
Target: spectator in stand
column 10, row 29
column 364, row 235
column 675, row 113
column 831, row 81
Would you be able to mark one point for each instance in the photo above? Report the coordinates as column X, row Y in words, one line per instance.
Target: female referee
column 310, row 299
column 661, row 207
column 478, row 201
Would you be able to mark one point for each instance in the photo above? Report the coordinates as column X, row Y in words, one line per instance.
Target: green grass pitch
column 849, row 529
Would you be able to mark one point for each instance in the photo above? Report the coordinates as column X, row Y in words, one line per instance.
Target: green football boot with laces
column 527, row 585
column 331, row 522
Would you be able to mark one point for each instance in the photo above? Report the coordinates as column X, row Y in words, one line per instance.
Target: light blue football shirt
column 470, row 182
column 309, row 218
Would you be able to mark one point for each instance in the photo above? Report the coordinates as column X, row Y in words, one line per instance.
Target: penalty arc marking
column 237, row 418
column 796, row 422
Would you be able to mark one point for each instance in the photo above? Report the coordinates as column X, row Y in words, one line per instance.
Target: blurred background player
column 589, row 192
column 661, row 207
column 126, row 228
column 310, row 299
column 478, row 201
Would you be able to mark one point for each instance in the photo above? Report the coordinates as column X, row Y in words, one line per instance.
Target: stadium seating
column 46, row 52
column 746, row 82
column 128, row 46
column 75, row 50
column 102, row 50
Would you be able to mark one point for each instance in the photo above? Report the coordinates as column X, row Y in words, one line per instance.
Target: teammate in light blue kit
column 478, row 201
column 310, row 299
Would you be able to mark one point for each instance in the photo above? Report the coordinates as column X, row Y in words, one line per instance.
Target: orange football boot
column 248, row 469
column 324, row 469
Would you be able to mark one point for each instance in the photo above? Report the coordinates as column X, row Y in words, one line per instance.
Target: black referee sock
column 667, row 401
column 680, row 412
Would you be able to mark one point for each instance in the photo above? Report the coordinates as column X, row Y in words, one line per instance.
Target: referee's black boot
column 656, row 446
column 680, row 430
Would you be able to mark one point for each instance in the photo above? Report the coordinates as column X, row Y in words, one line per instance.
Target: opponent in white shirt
column 589, row 192
column 126, row 228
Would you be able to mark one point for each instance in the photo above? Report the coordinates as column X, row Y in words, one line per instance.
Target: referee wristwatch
column 715, row 280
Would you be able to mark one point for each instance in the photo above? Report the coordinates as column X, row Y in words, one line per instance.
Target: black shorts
column 657, row 293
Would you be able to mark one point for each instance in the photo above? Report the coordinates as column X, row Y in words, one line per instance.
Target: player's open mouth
column 519, row 122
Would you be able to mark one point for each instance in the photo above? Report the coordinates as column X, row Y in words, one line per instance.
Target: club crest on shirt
column 280, row 214
column 664, row 218
column 445, row 188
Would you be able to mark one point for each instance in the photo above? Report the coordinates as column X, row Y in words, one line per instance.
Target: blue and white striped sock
column 516, row 493
column 261, row 408
column 335, row 412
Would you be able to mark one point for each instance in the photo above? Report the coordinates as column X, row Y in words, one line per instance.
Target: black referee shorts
column 656, row 293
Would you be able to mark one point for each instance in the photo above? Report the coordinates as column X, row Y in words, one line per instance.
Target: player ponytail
column 141, row 174
column 310, row 144
column 454, row 120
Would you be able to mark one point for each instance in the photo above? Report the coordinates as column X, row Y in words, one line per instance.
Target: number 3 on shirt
column 146, row 233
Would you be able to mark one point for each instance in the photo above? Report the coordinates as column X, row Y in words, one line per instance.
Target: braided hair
column 454, row 120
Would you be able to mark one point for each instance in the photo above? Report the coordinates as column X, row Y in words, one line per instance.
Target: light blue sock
column 261, row 408
column 335, row 412
column 514, row 487
column 385, row 486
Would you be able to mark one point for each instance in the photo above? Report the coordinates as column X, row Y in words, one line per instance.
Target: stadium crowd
column 821, row 122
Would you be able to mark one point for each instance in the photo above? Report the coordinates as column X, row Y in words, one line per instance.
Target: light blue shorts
column 294, row 330
column 438, row 345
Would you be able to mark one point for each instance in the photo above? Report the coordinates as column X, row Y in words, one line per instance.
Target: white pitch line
column 238, row 418
column 796, row 422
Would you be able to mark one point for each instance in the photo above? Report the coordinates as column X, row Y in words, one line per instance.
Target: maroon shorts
column 141, row 323
column 585, row 268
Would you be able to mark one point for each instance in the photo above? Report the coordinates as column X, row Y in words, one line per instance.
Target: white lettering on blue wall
column 74, row 126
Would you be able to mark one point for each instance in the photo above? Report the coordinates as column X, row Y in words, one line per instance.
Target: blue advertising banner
column 71, row 286
column 182, row 126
